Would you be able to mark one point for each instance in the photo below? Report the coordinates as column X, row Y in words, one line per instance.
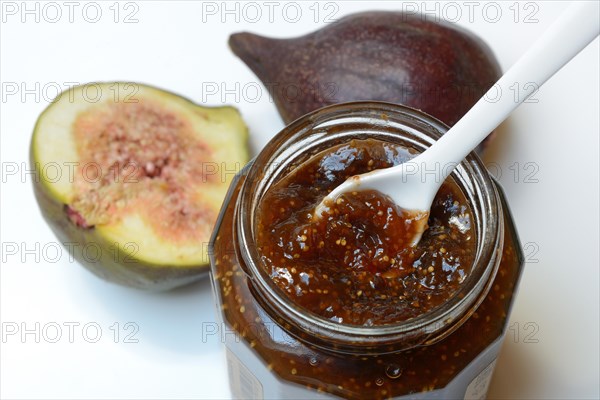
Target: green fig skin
column 438, row 68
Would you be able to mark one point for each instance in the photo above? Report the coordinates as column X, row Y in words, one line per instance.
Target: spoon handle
column 565, row 38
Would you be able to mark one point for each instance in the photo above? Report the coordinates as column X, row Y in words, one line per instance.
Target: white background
column 176, row 46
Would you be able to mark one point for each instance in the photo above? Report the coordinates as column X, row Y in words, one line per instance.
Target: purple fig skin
column 436, row 67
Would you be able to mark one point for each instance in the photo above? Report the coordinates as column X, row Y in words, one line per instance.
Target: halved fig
column 141, row 177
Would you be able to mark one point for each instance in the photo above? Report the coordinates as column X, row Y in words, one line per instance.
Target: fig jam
column 355, row 264
column 341, row 306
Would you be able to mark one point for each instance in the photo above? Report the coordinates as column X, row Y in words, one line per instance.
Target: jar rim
column 429, row 326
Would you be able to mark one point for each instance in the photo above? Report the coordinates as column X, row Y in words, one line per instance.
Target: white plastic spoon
column 413, row 191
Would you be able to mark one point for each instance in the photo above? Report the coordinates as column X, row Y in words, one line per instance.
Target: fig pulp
column 436, row 67
column 141, row 177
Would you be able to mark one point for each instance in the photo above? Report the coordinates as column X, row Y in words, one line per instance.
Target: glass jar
column 275, row 349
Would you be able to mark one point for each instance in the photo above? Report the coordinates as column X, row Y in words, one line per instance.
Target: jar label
column 478, row 387
column 244, row 384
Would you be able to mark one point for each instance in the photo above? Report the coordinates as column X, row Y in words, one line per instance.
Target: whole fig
column 397, row 57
